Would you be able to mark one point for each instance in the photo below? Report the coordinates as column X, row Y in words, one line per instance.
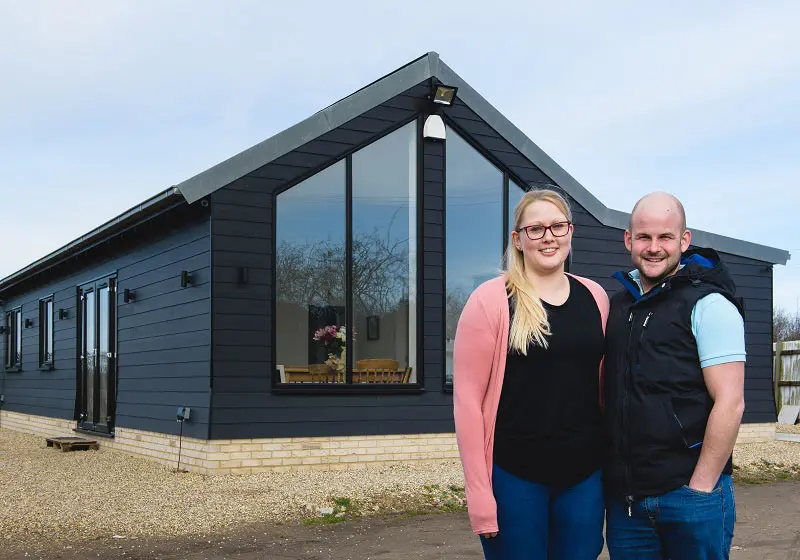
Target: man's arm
column 719, row 330
column 725, row 383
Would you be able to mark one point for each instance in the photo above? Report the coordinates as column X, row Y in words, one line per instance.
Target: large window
column 46, row 332
column 13, row 339
column 346, row 289
column 474, row 230
column 515, row 194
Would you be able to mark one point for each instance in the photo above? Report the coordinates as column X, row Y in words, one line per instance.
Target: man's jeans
column 684, row 524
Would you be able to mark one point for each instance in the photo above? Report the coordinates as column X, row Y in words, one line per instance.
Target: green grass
column 432, row 499
column 343, row 509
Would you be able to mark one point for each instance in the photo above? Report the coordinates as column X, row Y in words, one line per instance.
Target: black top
column 549, row 427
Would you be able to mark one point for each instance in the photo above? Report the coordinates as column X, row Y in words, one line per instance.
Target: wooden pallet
column 72, row 443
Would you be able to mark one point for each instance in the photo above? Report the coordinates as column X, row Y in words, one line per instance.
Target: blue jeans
column 538, row 522
column 684, row 524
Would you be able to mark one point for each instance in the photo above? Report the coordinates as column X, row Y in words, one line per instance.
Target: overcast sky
column 104, row 104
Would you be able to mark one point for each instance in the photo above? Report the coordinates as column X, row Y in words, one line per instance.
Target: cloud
column 113, row 102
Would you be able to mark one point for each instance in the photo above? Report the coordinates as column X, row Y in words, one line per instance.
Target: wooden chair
column 322, row 373
column 380, row 370
column 377, row 363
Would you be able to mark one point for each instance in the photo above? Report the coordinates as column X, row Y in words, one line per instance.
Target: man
column 674, row 393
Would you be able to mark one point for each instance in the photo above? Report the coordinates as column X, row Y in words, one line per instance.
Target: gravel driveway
column 48, row 496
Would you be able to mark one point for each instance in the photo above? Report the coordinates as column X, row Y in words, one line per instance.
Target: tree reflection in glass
column 311, row 260
column 474, row 223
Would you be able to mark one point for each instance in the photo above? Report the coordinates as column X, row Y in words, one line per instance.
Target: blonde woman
column 527, row 375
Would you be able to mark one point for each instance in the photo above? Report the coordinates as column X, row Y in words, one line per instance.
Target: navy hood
column 699, row 265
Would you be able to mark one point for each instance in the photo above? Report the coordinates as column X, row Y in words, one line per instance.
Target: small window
column 46, row 332
column 13, row 336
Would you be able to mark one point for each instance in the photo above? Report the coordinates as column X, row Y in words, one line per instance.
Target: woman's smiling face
column 550, row 251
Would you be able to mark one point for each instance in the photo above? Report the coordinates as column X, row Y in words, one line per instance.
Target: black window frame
column 46, row 333
column 13, row 339
column 447, row 386
column 508, row 177
column 348, row 387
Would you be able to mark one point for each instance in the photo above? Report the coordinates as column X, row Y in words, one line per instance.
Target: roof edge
column 415, row 72
column 605, row 215
column 701, row 238
column 206, row 182
column 142, row 209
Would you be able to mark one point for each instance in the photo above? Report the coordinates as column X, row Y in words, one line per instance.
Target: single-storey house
column 297, row 303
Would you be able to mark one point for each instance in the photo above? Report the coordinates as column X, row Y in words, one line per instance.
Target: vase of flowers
column 334, row 339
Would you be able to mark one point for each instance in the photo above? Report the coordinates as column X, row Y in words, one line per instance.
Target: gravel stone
column 785, row 453
column 788, row 428
column 47, row 494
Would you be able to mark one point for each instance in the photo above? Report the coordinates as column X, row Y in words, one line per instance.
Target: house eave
column 323, row 121
column 419, row 70
column 139, row 212
column 426, row 67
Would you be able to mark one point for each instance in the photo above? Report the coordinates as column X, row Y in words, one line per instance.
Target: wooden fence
column 786, row 373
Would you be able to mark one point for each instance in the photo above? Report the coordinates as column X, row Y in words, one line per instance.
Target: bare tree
column 455, row 301
column 314, row 273
column 785, row 325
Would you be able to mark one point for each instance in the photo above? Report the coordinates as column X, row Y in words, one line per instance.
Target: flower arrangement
column 334, row 339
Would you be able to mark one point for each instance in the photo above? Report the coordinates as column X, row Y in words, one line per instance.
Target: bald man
column 674, row 393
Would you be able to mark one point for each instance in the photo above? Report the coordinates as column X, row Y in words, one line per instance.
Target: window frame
column 508, row 178
column 348, row 387
column 46, row 333
column 13, row 339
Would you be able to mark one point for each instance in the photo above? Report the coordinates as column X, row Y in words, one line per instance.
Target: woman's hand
column 491, row 535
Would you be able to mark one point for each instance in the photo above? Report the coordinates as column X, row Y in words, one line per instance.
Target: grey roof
column 149, row 207
column 370, row 96
column 431, row 66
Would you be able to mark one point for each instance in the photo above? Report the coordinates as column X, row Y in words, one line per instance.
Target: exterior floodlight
column 433, row 128
column 444, row 95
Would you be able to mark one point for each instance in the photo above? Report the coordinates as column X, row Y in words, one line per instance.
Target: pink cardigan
column 479, row 363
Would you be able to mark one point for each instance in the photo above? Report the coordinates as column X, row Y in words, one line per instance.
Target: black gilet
column 656, row 402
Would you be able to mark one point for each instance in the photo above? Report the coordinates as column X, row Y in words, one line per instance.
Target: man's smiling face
column 656, row 238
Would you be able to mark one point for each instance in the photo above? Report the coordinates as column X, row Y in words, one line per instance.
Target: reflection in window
column 384, row 256
column 515, row 194
column 13, row 339
column 474, row 224
column 311, row 261
column 310, row 272
column 46, row 332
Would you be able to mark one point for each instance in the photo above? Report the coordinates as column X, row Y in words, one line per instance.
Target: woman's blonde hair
column 529, row 323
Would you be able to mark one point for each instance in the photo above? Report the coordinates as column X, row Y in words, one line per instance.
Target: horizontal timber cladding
column 163, row 335
column 599, row 251
column 243, row 357
column 242, row 236
column 433, row 273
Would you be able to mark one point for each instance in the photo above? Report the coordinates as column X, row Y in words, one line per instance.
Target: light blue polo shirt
column 717, row 326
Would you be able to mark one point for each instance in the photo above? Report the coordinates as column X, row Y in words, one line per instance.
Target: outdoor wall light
column 28, row 323
column 128, row 295
column 434, row 128
column 184, row 413
column 444, row 95
column 243, row 275
column 62, row 314
column 3, row 330
column 186, row 278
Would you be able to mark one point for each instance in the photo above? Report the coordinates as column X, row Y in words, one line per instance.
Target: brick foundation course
column 243, row 456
